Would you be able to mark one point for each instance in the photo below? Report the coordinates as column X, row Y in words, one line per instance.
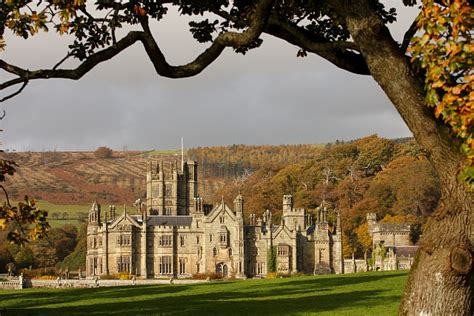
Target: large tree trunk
column 441, row 280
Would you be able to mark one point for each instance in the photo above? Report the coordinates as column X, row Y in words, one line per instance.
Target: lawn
column 376, row 293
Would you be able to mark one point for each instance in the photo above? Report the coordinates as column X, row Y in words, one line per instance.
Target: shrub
column 45, row 277
column 124, row 276
column 204, row 276
column 103, row 152
column 271, row 275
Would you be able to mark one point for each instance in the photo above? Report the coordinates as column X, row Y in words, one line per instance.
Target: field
column 376, row 293
column 79, row 178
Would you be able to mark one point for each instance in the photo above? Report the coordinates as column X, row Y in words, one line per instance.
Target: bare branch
column 25, row 82
column 6, row 195
column 409, row 35
column 62, row 61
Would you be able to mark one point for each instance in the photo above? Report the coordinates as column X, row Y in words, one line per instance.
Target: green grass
column 60, row 208
column 376, row 293
column 71, row 209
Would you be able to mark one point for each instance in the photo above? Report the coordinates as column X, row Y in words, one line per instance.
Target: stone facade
column 178, row 235
column 392, row 248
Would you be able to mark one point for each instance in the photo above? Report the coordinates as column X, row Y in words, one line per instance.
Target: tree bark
column 441, row 281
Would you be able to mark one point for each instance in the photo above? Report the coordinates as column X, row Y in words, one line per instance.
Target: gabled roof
column 124, row 217
column 221, row 208
column 282, row 228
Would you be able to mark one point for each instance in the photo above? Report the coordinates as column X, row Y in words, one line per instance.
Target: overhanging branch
column 342, row 54
column 257, row 25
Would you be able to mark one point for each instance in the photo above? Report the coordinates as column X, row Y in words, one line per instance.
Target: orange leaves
column 445, row 50
column 140, row 11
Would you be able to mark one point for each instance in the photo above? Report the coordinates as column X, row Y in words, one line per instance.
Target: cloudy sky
column 268, row 96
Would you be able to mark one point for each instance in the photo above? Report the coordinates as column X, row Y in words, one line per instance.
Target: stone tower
column 171, row 190
column 294, row 218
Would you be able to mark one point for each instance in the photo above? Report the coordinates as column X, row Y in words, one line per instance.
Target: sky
column 268, row 96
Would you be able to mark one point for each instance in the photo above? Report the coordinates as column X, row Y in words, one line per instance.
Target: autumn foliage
column 446, row 52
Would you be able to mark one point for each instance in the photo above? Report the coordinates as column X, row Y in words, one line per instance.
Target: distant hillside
column 80, row 177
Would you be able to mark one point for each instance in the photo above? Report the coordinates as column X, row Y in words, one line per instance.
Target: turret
column 239, row 205
column 287, row 203
column 198, row 204
column 112, row 212
column 371, row 221
column 94, row 214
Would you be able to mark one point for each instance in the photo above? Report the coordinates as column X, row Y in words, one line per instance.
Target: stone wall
column 11, row 285
column 89, row 283
column 353, row 266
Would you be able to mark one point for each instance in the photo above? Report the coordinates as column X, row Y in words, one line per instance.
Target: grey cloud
column 268, row 96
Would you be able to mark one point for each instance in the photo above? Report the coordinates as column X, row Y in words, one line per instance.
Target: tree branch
column 234, row 39
column 409, row 35
column 342, row 54
column 25, row 82
column 61, row 61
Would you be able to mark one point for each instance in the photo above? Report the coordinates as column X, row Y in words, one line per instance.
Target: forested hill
column 236, row 160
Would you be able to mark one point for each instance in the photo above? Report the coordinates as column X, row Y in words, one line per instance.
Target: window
column 166, row 241
column 123, row 240
column 214, row 251
column 197, row 267
column 182, row 265
column 222, row 219
column 230, row 251
column 168, row 189
column 167, row 210
column 181, row 241
column 197, row 239
column 210, row 237
column 260, row 266
column 223, row 238
column 123, row 264
column 283, row 250
column 165, row 265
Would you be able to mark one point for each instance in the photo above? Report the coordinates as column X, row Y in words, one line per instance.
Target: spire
column 182, row 154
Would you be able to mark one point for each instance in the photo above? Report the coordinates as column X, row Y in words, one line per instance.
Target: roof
column 157, row 220
column 406, row 251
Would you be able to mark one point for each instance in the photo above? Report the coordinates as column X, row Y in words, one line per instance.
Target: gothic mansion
column 178, row 235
